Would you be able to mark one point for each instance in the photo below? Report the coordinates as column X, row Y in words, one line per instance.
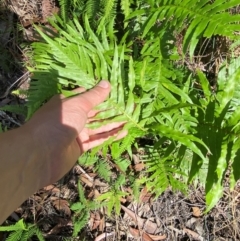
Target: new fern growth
column 22, row 231
column 82, row 211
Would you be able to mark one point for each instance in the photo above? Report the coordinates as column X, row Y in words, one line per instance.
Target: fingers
column 89, row 99
column 79, row 90
column 98, row 139
column 106, row 128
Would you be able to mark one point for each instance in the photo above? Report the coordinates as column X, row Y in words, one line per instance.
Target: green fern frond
column 201, row 18
column 125, row 145
column 148, row 93
column 162, row 172
column 109, row 11
column 93, row 11
column 29, row 233
column 122, row 164
column 87, row 159
column 112, row 200
column 64, row 6
column 103, row 169
column 39, row 234
column 79, row 221
column 82, row 211
column 20, row 225
column 15, row 235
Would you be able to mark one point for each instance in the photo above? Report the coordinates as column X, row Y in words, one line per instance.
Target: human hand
column 58, row 128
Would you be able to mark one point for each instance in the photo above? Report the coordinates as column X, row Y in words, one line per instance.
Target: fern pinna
column 22, row 231
column 199, row 18
column 149, row 91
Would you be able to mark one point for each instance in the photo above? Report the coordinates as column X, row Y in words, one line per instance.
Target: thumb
column 89, row 99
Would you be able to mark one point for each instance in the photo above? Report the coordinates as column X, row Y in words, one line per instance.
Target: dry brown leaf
column 85, row 180
column 98, row 183
column 157, row 237
column 62, row 206
column 142, row 223
column 139, row 167
column 145, row 196
column 47, row 8
column 193, row 234
column 58, row 228
column 96, row 193
column 48, row 188
column 103, row 236
column 95, row 221
column 196, row 212
column 51, row 188
column 140, row 234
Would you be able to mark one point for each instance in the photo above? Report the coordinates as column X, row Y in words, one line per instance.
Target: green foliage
column 65, row 5
column 112, row 198
column 102, row 168
column 22, row 231
column 82, row 211
column 17, row 109
column 218, row 127
column 199, row 19
column 161, row 169
column 191, row 129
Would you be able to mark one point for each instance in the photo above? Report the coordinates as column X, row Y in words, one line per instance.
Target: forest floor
column 171, row 216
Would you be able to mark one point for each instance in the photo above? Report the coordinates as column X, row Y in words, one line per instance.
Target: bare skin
column 44, row 149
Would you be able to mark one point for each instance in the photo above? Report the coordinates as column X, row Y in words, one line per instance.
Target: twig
column 5, row 116
column 12, row 85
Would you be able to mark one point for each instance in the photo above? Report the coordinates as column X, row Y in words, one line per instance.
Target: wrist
column 34, row 169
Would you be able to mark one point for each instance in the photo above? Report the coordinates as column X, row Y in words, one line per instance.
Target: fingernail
column 104, row 84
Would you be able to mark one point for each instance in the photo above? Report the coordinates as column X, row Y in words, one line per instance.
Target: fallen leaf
column 103, row 236
column 139, row 234
column 196, row 212
column 62, row 206
column 193, row 234
column 96, row 193
column 145, row 236
column 145, row 196
column 142, row 223
column 157, row 237
column 95, row 220
column 48, row 188
column 51, row 188
column 86, row 180
column 139, row 167
column 98, row 183
column 58, row 228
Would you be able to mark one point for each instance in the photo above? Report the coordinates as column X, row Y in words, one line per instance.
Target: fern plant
column 199, row 19
column 219, row 128
column 82, row 211
column 125, row 104
column 99, row 12
column 150, row 91
column 112, row 198
column 22, row 231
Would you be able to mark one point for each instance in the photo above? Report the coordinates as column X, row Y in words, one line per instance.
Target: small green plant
column 112, row 198
column 22, row 231
column 82, row 211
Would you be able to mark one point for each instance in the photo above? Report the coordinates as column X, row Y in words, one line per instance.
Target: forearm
column 20, row 169
column 43, row 150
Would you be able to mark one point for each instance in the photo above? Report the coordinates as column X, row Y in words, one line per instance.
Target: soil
column 171, row 216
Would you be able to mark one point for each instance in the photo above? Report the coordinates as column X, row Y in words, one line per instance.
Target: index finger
column 89, row 99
